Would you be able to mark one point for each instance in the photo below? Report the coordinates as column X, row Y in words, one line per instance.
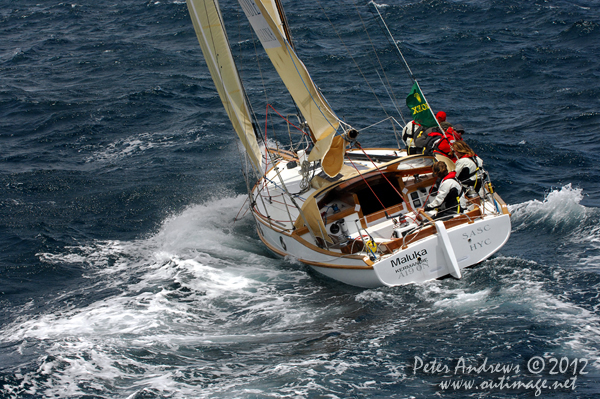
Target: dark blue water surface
column 123, row 274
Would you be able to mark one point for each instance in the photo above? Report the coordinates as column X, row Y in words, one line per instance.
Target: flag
column 419, row 108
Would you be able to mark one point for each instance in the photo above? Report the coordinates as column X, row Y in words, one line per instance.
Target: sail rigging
column 314, row 108
column 208, row 24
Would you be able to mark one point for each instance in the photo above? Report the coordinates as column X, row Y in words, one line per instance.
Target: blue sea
column 125, row 274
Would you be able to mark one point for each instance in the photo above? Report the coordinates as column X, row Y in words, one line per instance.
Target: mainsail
column 314, row 108
column 211, row 34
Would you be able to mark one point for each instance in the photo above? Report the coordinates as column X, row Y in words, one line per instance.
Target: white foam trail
column 572, row 328
column 579, row 327
column 199, row 284
column 195, row 282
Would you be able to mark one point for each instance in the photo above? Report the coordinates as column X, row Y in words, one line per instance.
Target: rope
column 285, row 119
column 236, row 218
column 390, row 93
column 410, row 74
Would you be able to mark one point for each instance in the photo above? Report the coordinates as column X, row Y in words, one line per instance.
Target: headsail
column 272, row 9
column 211, row 34
column 320, row 117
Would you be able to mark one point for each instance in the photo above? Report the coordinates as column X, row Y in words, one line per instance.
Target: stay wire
column 390, row 92
column 351, row 57
column 410, row 73
column 391, row 39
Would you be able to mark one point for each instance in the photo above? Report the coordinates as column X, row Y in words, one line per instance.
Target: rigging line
column 264, row 87
column 352, row 58
column 213, row 58
column 285, row 119
column 284, row 22
column 393, row 127
column 406, row 65
column 377, row 123
column 392, row 97
column 235, row 219
column 318, row 91
column 244, row 157
column 274, row 165
column 261, row 74
column 283, row 190
column 410, row 73
column 267, row 155
column 367, row 183
column 394, row 41
column 262, row 80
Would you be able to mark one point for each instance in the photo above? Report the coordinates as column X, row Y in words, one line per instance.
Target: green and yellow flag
column 419, row 108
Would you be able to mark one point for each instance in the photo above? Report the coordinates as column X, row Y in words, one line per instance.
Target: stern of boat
column 445, row 253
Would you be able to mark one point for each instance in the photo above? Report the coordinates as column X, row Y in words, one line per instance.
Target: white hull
column 426, row 249
column 423, row 260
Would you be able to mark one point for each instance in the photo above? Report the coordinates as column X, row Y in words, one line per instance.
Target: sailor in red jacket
column 439, row 143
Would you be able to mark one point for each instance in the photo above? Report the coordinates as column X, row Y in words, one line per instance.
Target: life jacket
column 410, row 132
column 472, row 178
column 435, row 142
column 452, row 199
column 456, row 136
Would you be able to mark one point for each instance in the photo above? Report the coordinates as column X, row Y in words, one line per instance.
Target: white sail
column 321, row 119
column 211, row 34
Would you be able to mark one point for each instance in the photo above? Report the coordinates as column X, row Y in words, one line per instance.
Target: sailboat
column 351, row 213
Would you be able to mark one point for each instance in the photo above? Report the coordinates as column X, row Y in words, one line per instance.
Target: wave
column 565, row 231
column 201, row 281
column 559, row 210
column 199, row 305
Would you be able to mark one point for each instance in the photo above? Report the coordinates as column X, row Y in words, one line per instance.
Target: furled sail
column 211, row 34
column 321, row 119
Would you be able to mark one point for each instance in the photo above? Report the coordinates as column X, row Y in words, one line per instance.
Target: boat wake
column 560, row 209
column 200, row 309
column 180, row 297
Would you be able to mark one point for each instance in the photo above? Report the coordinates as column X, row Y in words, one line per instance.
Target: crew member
column 447, row 200
column 409, row 134
column 436, row 142
column 441, row 118
column 469, row 167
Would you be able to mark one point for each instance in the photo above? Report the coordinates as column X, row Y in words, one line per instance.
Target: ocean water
column 124, row 275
